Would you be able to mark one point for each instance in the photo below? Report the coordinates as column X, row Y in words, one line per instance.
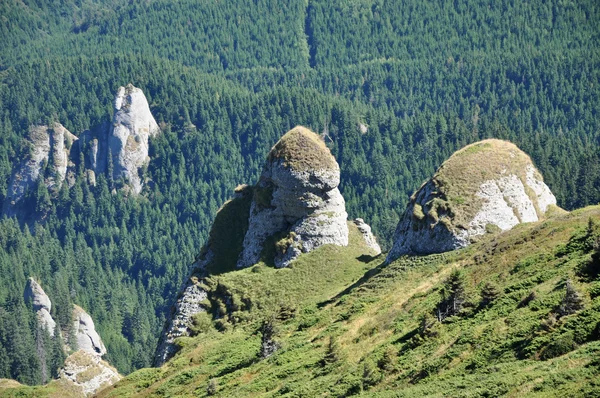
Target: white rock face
column 41, row 305
column 514, row 194
column 302, row 203
column 85, row 333
column 187, row 305
column 368, row 236
column 545, row 198
column 48, row 145
column 88, row 372
column 132, row 126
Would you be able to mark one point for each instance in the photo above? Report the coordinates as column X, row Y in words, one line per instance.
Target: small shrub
column 558, row 347
column 489, row 294
column 332, row 353
column 527, row 299
column 572, row 301
column 201, row 323
column 387, row 363
column 371, row 374
column 212, row 387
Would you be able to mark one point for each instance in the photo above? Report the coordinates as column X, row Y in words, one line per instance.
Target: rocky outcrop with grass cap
column 296, row 203
column 486, row 187
column 294, row 208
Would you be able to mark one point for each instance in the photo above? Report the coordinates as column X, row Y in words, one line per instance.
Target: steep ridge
column 294, row 208
column 485, row 187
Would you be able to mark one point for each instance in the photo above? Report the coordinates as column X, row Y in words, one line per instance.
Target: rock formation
column 48, row 158
column 120, row 147
column 296, row 198
column 123, row 145
column 294, row 208
column 86, row 337
column 187, row 305
column 485, row 187
column 132, row 126
column 368, row 236
column 41, row 305
column 88, row 372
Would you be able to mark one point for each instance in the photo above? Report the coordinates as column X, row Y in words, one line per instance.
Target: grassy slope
column 375, row 324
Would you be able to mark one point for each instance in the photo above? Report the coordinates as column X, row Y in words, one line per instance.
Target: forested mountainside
column 394, row 87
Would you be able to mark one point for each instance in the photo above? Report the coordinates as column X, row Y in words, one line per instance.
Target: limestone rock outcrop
column 48, row 158
column 485, row 187
column 294, row 208
column 41, row 305
column 88, row 372
column 85, row 335
column 297, row 197
column 124, row 143
column 368, row 236
column 187, row 305
column 132, row 126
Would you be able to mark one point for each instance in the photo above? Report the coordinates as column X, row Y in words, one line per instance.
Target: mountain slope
column 378, row 333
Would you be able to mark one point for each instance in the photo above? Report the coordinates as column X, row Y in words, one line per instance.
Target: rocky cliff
column 47, row 158
column 485, row 187
column 296, row 200
column 40, row 301
column 122, row 146
column 132, row 126
column 294, row 208
column 86, row 338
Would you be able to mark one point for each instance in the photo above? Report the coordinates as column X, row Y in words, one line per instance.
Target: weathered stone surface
column 296, row 206
column 86, row 337
column 132, row 126
column 296, row 197
column 88, row 372
column 187, row 305
column 41, row 304
column 368, row 236
column 48, row 145
column 487, row 186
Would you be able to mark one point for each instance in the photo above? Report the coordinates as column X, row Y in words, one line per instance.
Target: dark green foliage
column 225, row 81
column 571, row 302
column 558, row 347
column 453, row 296
column 489, row 294
column 332, row 352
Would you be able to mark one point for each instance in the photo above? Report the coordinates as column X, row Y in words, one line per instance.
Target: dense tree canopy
column 225, row 80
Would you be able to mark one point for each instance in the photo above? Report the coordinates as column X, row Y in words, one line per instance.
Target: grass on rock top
column 459, row 178
column 302, row 150
column 370, row 328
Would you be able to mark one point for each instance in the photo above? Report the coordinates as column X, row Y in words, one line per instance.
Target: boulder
column 485, row 187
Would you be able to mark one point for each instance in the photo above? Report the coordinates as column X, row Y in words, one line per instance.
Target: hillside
column 393, row 88
column 514, row 335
